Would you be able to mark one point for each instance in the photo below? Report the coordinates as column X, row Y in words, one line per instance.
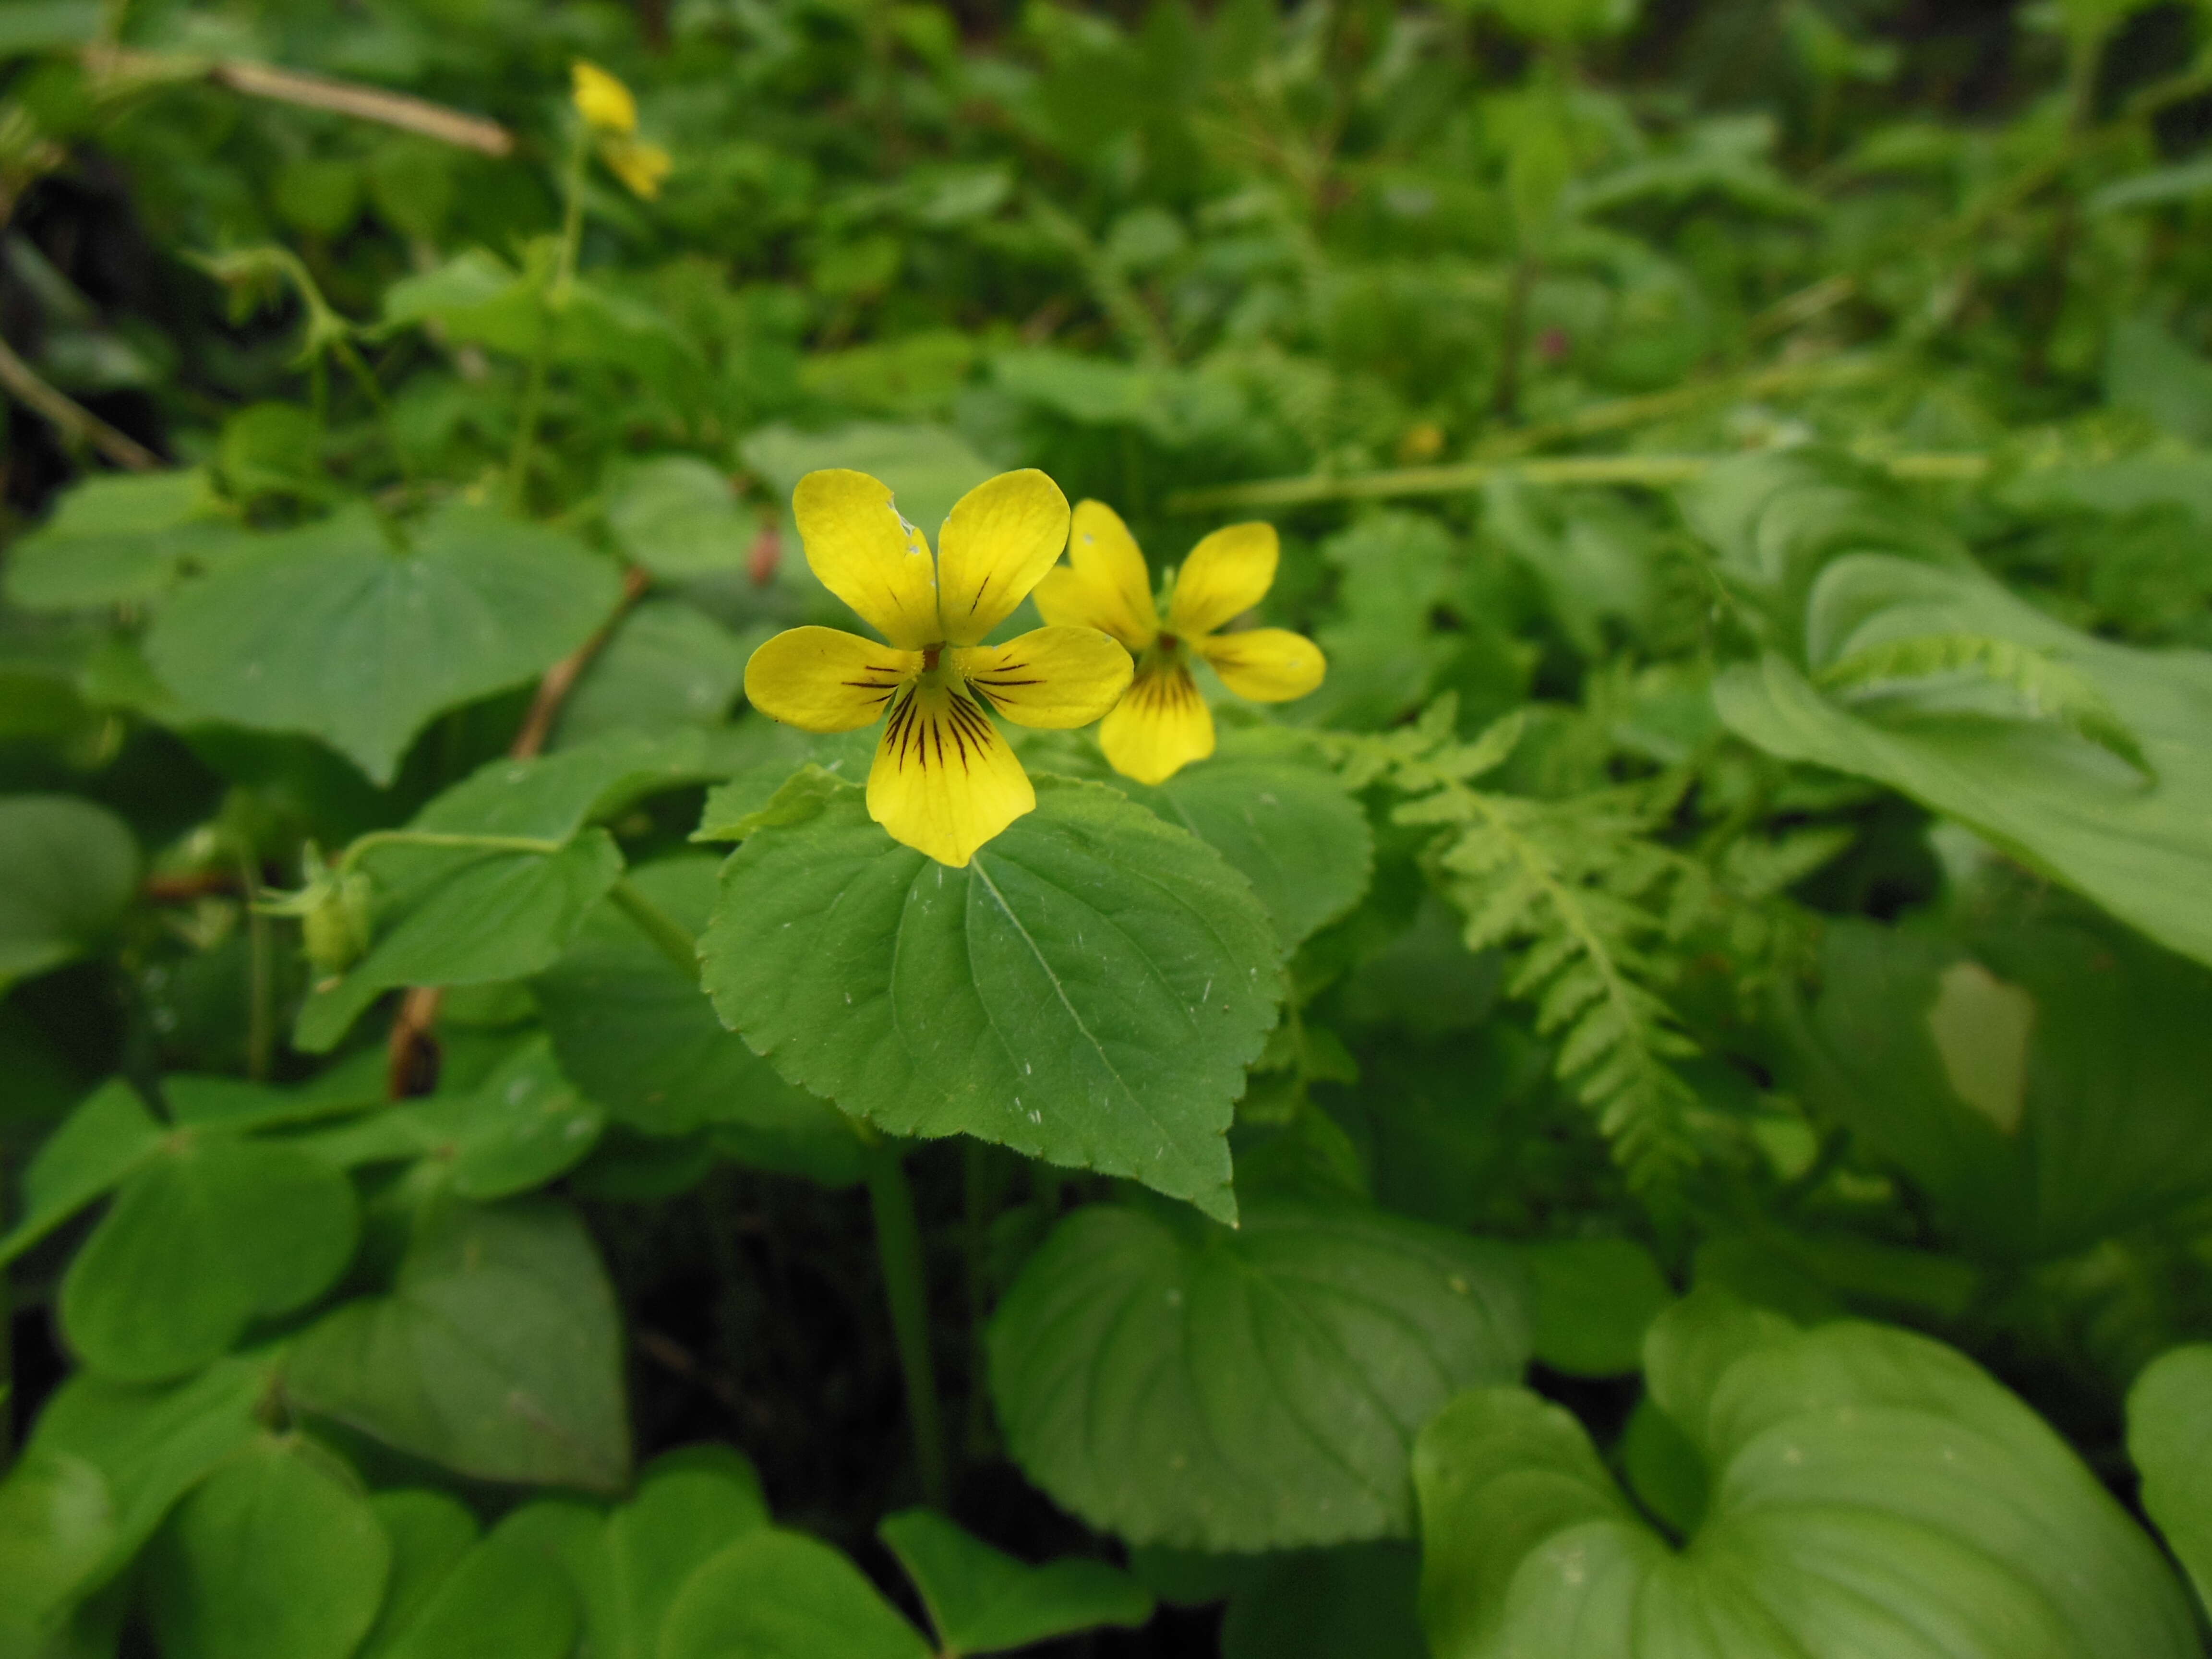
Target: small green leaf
column 210, row 1232
column 498, row 1352
column 775, row 1594
column 983, row 1601
column 629, row 1566
column 519, row 1128
column 641, row 1040
column 327, row 630
column 150, row 1444
column 469, row 916
column 57, row 1525
column 2170, row 1438
column 96, row 1146
column 273, row 1556
column 430, row 1533
column 68, row 868
column 1593, row 1299
column 1088, row 991
column 1253, row 1389
column 678, row 516
column 1872, row 1491
column 498, row 1598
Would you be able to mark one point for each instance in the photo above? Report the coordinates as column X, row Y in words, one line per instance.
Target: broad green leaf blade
column 273, row 1556
column 431, row 1532
column 68, row 868
column 1592, row 1300
column 1253, row 1389
column 641, row 1040
column 667, row 665
column 210, row 1232
column 327, row 630
column 150, row 1444
column 96, row 1146
column 775, row 1594
column 1355, row 1602
column 2057, row 801
column 1873, row 1492
column 1088, row 991
column 1286, row 824
column 519, row 1128
column 2041, row 1082
column 57, row 1525
column 499, row 1598
column 497, row 1352
column 2170, row 1438
column 983, row 1601
column 677, row 516
column 116, row 537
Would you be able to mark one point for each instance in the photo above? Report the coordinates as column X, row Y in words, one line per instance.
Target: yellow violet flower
column 1163, row 724
column 944, row 781
column 638, row 165
column 605, row 103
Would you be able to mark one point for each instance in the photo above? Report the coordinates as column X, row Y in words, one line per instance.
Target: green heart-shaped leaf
column 1244, row 1390
column 327, row 630
column 1872, row 1491
column 1088, row 990
column 498, row 1352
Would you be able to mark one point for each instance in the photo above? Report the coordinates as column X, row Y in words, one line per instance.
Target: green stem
column 549, row 305
column 674, row 939
column 376, row 838
column 260, row 1020
column 898, row 1247
column 1654, row 471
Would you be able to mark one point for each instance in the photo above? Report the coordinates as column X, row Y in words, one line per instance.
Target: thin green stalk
column 1459, row 477
column 674, row 939
column 260, row 987
column 898, row 1248
column 376, row 838
column 550, row 306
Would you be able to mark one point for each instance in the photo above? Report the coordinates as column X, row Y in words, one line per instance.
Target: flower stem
column 549, row 305
column 376, row 838
column 673, row 938
column 898, row 1247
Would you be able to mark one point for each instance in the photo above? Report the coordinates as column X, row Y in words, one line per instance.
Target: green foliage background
column 1660, row 1114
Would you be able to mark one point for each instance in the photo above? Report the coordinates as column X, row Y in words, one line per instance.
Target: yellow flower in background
column 1163, row 724
column 609, row 114
column 944, row 781
column 638, row 165
column 605, row 103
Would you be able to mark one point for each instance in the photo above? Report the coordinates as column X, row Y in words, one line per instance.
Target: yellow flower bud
column 605, row 103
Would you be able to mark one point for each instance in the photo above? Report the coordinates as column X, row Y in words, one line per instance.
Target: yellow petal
column 945, row 781
column 1160, row 727
column 868, row 555
column 822, row 679
column 603, row 102
column 1267, row 664
column 1229, row 572
column 1003, row 535
column 1104, row 583
column 1049, row 677
column 641, row 167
